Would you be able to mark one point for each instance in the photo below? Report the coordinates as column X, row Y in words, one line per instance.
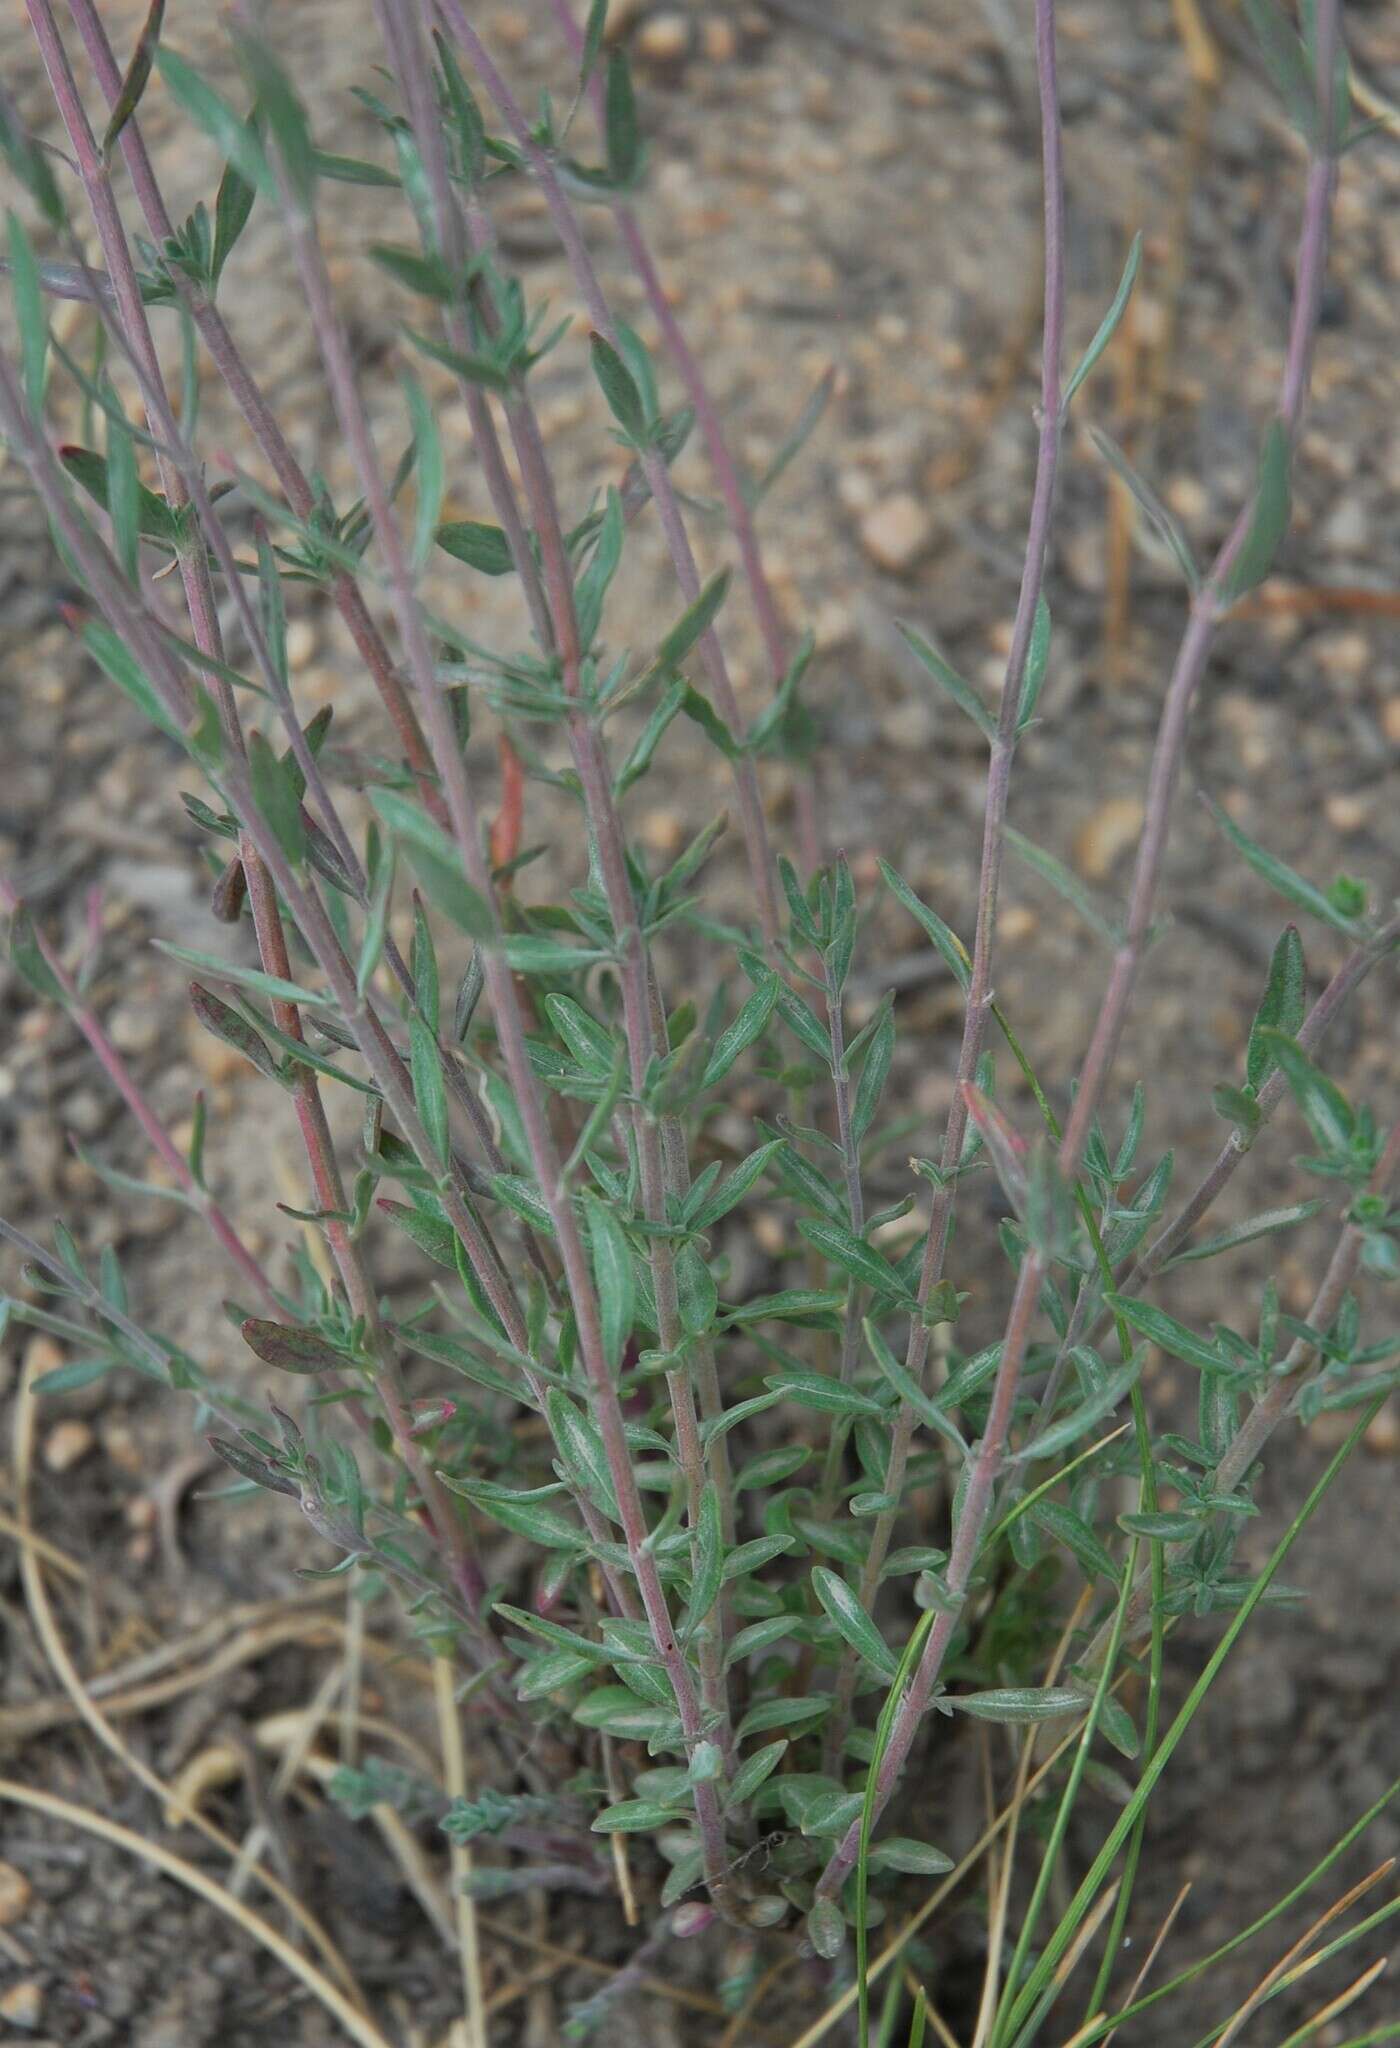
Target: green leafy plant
column 724, row 1625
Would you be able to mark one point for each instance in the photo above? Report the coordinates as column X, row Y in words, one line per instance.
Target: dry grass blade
column 1340, row 2004
column 283, row 1623
column 840, row 2006
column 1272, row 1978
column 66, row 1671
column 454, row 1761
column 357, row 2026
column 1152, row 1954
column 991, row 1981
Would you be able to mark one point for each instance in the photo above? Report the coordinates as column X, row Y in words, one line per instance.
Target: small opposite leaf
column 1282, row 1006
column 845, row 1610
column 1268, row 523
column 962, row 693
column 289, row 1348
column 1108, row 325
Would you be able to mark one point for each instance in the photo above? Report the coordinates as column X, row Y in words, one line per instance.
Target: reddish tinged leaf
column 1006, row 1149
column 290, row 1348
column 138, row 73
column 506, row 826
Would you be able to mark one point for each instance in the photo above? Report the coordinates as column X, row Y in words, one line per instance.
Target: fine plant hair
column 729, row 1634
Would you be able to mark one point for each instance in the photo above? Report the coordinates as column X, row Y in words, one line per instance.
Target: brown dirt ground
column 822, row 192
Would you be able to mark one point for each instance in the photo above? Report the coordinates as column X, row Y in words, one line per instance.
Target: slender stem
column 447, row 1523
column 653, row 464
column 1203, row 623
column 707, row 418
column 467, row 831
column 605, row 826
column 980, row 989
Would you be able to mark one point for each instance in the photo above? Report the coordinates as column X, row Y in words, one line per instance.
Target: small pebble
column 663, row 831
column 1390, row 720
column 15, row 1894
column 665, row 38
column 1102, row 839
column 22, row 2005
column 720, row 40
column 896, row 533
column 134, row 1028
column 1346, row 813
column 41, row 1355
column 67, row 1444
column 301, row 644
column 510, row 27
column 1383, row 1436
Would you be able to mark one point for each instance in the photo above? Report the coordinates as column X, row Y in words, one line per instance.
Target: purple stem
column 134, row 332
column 707, row 418
column 566, row 226
column 467, row 831
column 1207, row 611
column 979, row 993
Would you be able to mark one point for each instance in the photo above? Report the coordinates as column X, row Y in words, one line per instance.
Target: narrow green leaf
column 1090, row 1412
column 428, row 463
column 1019, row 1706
column 693, row 623
column 1273, row 502
column 581, row 1452
column 1168, row 1334
column 1286, row 60
column 1264, row 1225
column 270, row 985
column 429, row 1090
column 828, row 1396
column 1163, row 522
column 910, row 1392
column 1108, row 326
column 634, row 1817
column 480, row 546
column 946, row 942
column 968, row 701
column 1283, row 878
column 874, row 1073
column 233, row 205
column 233, row 136
column 613, row 1276
column 1281, row 1009
column 752, row 1772
column 28, row 961
column 1329, row 1115
column 1037, row 663
column 476, row 369
column 29, row 314
column 1078, row 1538
column 729, row 1193
column 707, row 1570
column 592, row 40
column 276, row 799
column 844, row 1609
column 624, row 399
column 1064, row 883
column 623, row 135
column 138, row 72
column 746, row 1029
column 281, row 107
column 436, row 862
column 857, row 1258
